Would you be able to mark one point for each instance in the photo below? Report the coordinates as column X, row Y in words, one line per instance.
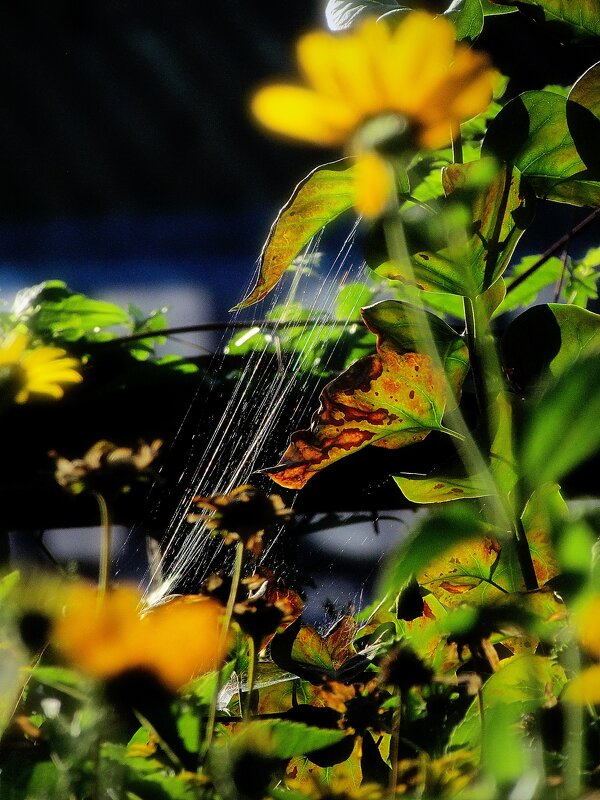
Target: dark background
column 127, row 155
column 129, row 166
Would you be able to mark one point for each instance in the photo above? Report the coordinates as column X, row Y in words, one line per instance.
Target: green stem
column 105, row 546
column 252, row 656
column 474, row 358
column 235, row 582
column 395, row 745
column 466, row 445
column 457, row 149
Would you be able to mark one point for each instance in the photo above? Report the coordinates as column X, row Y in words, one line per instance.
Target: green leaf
column 527, row 291
column 282, row 739
column 441, row 489
column 491, row 8
column 141, row 777
column 562, row 430
column 582, row 15
column 52, row 311
column 436, row 535
column 531, row 132
column 321, row 197
column 467, row 16
column 351, row 298
column 8, row 583
column 23, row 778
column 390, row 399
column 546, row 340
column 342, row 14
column 496, row 216
column 520, row 687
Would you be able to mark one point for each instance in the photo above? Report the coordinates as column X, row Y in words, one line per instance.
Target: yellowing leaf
column 466, row 567
column 322, row 196
column 438, row 489
column 390, row 399
column 497, row 216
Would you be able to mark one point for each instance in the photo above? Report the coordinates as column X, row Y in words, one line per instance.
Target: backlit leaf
column 582, row 15
column 467, row 16
column 438, row 536
column 440, row 489
column 390, row 399
column 562, row 430
column 497, row 215
column 322, row 196
column 523, row 684
column 532, row 133
column 546, row 340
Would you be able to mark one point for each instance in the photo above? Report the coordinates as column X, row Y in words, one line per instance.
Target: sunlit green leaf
column 496, row 214
column 546, row 340
column 526, row 292
column 467, row 16
column 562, row 430
column 321, row 197
column 390, row 399
column 531, row 132
column 52, row 311
column 436, row 535
column 520, row 686
column 582, row 15
column 440, row 489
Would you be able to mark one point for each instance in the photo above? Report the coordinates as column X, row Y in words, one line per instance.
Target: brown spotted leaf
column 441, row 489
column 466, row 568
column 390, row 399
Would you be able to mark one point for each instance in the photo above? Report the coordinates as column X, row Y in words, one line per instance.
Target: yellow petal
column 373, row 186
column 587, row 623
column 422, row 50
column 303, row 114
column 585, row 687
column 343, row 68
column 12, row 347
column 42, row 355
column 43, row 387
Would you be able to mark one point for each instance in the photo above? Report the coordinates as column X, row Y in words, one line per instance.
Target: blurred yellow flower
column 585, row 687
column 176, row 641
column 414, row 79
column 37, row 370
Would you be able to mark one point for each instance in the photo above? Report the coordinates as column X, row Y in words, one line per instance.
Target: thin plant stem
column 105, row 546
column 553, row 249
column 476, row 369
column 468, row 449
column 395, row 745
column 499, row 510
column 252, row 655
column 235, row 582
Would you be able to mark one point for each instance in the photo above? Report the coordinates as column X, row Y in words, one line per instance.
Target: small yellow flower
column 38, row 370
column 585, row 687
column 104, row 637
column 413, row 79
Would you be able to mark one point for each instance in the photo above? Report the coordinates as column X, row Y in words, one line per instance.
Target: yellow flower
column 585, row 687
column 39, row 370
column 176, row 641
column 414, row 79
column 417, row 71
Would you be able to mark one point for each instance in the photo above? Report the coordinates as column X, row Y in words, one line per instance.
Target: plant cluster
column 474, row 672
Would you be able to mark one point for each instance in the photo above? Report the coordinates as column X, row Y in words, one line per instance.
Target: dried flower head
column 402, row 668
column 263, row 605
column 26, row 370
column 243, row 514
column 106, row 468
